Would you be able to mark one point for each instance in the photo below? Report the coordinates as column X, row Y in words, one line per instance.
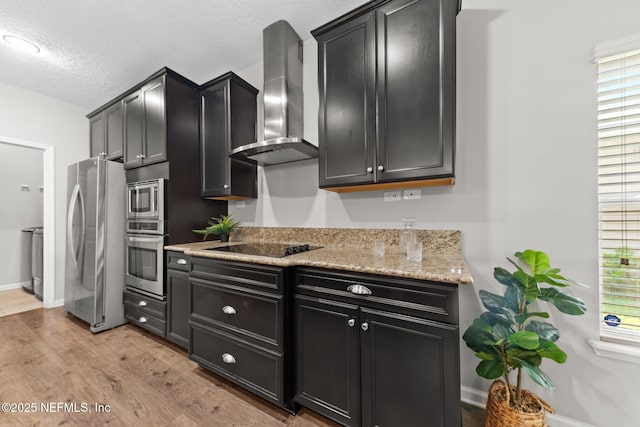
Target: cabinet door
column 416, row 89
column 410, row 371
column 96, row 135
column 346, row 72
column 214, row 140
column 132, row 106
column 154, row 148
column 178, row 306
column 114, row 131
column 327, row 370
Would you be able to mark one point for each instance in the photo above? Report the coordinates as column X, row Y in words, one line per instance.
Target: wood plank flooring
column 48, row 357
column 14, row 301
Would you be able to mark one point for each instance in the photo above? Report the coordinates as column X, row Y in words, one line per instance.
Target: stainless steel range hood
column 283, row 111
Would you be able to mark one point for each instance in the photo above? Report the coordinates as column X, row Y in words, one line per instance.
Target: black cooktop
column 273, row 250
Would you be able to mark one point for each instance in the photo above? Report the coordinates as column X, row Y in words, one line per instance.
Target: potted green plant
column 507, row 338
column 222, row 227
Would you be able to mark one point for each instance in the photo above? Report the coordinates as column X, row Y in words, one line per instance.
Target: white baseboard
column 13, row 285
column 58, row 303
column 478, row 398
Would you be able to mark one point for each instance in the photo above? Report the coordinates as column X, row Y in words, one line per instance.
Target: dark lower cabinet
column 148, row 313
column 328, row 358
column 409, row 371
column 178, row 307
column 240, row 326
column 378, row 359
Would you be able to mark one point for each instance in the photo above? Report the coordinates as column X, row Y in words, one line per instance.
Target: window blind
column 619, row 193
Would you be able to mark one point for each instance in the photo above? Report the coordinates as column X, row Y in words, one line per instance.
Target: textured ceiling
column 93, row 50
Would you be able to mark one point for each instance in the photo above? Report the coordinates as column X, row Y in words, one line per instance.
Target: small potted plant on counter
column 507, row 339
column 221, row 227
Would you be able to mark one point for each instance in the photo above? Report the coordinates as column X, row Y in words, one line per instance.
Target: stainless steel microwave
column 145, row 200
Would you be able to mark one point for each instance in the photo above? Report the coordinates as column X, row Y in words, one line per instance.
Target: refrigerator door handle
column 76, row 196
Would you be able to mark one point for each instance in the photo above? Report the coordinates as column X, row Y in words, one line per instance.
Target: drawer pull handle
column 227, row 309
column 351, row 322
column 359, row 290
column 142, row 303
column 227, row 358
column 365, row 326
column 181, row 261
column 142, row 319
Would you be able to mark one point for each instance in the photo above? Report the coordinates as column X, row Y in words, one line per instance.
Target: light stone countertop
column 444, row 268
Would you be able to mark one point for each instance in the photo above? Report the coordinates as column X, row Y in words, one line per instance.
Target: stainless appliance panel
column 145, row 200
column 144, row 263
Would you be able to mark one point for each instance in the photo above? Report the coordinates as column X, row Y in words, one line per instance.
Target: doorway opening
column 48, row 214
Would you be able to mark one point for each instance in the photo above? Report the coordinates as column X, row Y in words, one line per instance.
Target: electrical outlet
column 392, row 196
column 414, row 194
column 241, row 204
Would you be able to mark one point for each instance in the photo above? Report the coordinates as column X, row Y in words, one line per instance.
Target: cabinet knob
column 351, row 322
column 142, row 156
column 227, row 309
column 369, row 169
column 181, row 261
column 225, row 186
column 103, row 154
column 380, row 168
column 365, row 326
column 359, row 290
column 142, row 303
column 142, row 320
column 228, row 358
column 137, row 156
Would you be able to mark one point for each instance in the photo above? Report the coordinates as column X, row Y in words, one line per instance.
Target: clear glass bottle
column 407, row 234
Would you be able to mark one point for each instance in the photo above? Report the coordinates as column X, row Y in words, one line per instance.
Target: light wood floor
column 17, row 301
column 47, row 356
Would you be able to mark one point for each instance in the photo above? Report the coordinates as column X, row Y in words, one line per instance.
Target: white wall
column 526, row 176
column 18, row 209
column 36, row 118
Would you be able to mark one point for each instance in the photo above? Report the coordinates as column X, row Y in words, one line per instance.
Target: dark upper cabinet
column 146, row 125
column 387, row 95
column 106, row 132
column 228, row 115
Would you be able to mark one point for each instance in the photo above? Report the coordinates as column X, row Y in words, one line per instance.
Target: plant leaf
column 490, row 369
column 538, row 376
column 486, row 356
column 551, row 351
column 475, row 337
column 537, row 261
column 525, row 339
column 493, row 318
column 501, row 331
column 521, row 318
column 514, row 298
column 526, row 360
column 515, row 264
column 492, row 302
column 505, row 277
column 545, row 331
column 552, row 279
column 529, row 284
column 566, row 303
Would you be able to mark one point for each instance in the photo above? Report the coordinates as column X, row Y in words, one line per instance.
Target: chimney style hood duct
column 283, row 110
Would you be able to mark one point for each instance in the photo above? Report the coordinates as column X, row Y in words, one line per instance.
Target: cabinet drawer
column 422, row 299
column 142, row 318
column 246, row 275
column 249, row 366
column 178, row 261
column 146, row 305
column 255, row 315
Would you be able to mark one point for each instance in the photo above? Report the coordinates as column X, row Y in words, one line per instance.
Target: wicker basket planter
column 500, row 414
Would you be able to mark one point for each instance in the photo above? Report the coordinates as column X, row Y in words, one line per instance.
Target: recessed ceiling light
column 21, row 44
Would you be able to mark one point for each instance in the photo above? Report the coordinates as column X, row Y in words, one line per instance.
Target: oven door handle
column 145, row 239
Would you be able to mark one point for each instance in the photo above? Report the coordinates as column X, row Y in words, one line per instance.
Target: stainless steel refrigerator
column 94, row 267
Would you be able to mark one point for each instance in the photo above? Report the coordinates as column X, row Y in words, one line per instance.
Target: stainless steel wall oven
column 145, row 238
